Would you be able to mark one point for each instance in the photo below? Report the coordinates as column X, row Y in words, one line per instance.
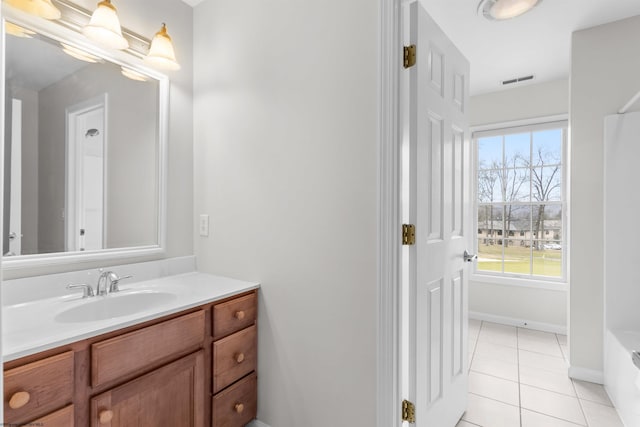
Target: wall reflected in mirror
column 81, row 150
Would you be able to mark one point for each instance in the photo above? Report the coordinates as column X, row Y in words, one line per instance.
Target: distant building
column 521, row 233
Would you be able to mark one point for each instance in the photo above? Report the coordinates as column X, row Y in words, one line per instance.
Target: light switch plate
column 204, row 225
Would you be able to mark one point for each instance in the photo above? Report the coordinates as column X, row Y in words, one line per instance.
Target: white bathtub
column 621, row 376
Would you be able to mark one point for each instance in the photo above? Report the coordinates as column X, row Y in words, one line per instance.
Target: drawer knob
column 239, row 407
column 19, row 399
column 239, row 315
column 105, row 416
column 239, row 357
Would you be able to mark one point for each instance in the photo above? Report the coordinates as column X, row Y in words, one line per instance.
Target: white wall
column 285, row 163
column 605, row 73
column 523, row 102
column 140, row 18
column 535, row 305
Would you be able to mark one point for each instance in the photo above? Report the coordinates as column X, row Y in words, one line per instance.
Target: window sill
column 520, row 282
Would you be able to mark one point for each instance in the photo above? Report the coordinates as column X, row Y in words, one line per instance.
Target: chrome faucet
column 87, row 290
column 108, row 282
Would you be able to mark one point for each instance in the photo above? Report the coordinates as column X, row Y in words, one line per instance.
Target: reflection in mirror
column 81, row 150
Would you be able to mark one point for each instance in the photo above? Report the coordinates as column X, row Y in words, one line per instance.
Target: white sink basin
column 114, row 305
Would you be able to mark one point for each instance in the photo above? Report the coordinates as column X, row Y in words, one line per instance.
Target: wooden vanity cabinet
column 38, row 388
column 234, row 361
column 172, row 371
column 172, row 395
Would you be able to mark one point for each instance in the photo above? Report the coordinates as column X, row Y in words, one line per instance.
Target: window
column 520, row 192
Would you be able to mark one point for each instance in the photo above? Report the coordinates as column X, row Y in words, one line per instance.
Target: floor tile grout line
column 551, row 391
column 494, row 376
column 586, row 421
column 555, row 418
column 495, row 400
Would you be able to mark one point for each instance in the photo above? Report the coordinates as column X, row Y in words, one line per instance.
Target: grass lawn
column 517, row 260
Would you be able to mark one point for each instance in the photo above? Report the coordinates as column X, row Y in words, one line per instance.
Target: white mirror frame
column 60, row 33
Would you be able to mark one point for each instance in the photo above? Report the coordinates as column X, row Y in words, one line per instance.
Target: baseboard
column 522, row 323
column 584, row 374
column 257, row 423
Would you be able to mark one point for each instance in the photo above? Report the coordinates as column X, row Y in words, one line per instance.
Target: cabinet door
column 170, row 396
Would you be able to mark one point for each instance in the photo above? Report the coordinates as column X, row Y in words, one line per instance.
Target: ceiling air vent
column 517, row 80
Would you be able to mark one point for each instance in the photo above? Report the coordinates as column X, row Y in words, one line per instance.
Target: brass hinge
column 408, row 234
column 409, row 57
column 408, row 411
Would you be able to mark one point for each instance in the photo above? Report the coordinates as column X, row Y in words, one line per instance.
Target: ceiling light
column 42, row 8
column 17, row 30
column 133, row 75
column 79, row 53
column 161, row 53
column 104, row 27
column 505, row 9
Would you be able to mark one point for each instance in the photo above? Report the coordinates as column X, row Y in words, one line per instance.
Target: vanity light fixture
column 161, row 53
column 133, row 75
column 104, row 27
column 79, row 54
column 42, row 8
column 499, row 10
column 17, row 30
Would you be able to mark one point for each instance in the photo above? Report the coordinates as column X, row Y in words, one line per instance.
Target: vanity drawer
column 234, row 357
column 37, row 388
column 237, row 405
column 61, row 418
column 234, row 315
column 145, row 348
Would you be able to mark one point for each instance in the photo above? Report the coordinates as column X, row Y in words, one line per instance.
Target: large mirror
column 83, row 147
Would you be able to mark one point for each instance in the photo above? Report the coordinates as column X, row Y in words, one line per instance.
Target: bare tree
column 486, row 191
column 511, row 180
column 545, row 179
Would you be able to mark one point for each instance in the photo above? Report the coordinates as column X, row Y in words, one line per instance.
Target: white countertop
column 30, row 327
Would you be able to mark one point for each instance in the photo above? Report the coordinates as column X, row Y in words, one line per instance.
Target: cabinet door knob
column 239, row 357
column 239, row 315
column 105, row 416
column 19, row 399
column 239, row 407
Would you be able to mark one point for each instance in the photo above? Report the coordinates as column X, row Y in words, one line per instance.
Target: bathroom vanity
column 190, row 361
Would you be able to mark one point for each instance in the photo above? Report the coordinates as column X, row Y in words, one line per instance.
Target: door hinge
column 408, row 234
column 408, row 411
column 409, row 57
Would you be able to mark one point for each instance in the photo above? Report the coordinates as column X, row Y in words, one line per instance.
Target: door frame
column 15, row 197
column 388, row 365
column 71, row 176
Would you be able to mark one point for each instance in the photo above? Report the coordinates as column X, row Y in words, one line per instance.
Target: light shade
column 161, row 53
column 17, row 31
column 104, row 27
column 79, row 53
column 506, row 9
column 42, row 8
column 133, row 75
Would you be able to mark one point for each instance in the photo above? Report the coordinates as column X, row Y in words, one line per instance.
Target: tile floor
column 518, row 378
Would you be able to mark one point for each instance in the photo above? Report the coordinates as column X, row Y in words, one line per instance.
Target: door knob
column 469, row 257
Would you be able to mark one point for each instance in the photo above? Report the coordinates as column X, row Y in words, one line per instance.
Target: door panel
column 439, row 160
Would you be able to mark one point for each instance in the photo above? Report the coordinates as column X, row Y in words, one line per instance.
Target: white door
column 86, row 182
column 15, row 199
column 438, row 178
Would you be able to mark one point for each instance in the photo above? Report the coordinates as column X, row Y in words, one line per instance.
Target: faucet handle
column 87, row 290
column 113, row 287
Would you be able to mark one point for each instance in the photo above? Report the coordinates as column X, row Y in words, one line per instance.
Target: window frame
column 520, row 126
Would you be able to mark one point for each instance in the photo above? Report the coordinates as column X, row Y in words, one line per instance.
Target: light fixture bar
column 76, row 17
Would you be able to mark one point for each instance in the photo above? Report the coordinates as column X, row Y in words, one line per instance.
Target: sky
column 490, row 148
